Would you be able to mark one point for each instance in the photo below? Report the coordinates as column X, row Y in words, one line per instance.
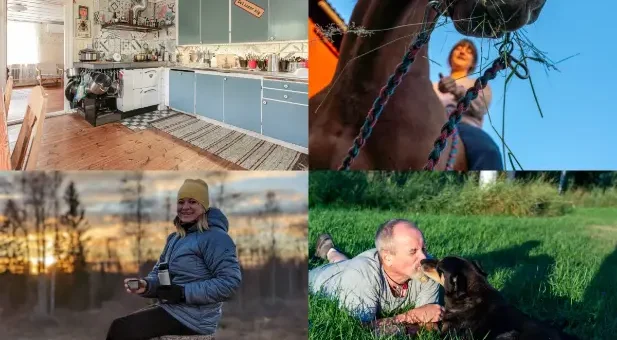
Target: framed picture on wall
column 82, row 28
column 83, row 12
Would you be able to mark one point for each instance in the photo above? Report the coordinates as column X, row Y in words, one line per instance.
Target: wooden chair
column 5, row 161
column 8, row 92
column 28, row 144
column 47, row 72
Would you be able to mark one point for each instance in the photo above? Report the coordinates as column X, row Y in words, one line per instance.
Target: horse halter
column 449, row 128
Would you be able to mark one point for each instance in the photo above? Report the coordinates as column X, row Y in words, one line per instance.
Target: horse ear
column 479, row 268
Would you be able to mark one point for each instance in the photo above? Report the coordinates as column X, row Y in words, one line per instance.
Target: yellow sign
column 250, row 7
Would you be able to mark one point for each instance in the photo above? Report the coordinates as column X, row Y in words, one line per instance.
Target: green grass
column 559, row 269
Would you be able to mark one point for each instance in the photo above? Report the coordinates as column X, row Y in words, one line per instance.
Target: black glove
column 172, row 294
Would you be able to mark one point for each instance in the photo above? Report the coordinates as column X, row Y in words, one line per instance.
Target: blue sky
column 577, row 131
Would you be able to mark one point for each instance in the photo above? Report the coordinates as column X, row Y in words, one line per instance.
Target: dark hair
column 474, row 52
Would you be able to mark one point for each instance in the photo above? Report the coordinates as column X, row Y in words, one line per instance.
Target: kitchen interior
column 184, row 84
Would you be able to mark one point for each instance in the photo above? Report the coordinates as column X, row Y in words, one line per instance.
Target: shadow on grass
column 601, row 296
column 529, row 289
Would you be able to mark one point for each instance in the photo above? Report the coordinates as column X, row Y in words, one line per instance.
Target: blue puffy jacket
column 205, row 263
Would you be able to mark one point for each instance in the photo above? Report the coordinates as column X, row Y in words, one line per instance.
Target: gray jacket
column 205, row 263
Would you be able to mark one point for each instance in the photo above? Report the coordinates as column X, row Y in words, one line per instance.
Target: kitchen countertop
column 265, row 74
column 104, row 65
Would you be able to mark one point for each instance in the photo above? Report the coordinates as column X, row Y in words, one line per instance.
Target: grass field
column 559, row 269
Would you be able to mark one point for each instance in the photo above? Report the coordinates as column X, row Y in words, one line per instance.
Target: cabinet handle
column 285, row 96
column 285, row 86
column 224, row 78
column 264, row 102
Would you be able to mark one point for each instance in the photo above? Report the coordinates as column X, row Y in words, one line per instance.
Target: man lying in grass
column 381, row 280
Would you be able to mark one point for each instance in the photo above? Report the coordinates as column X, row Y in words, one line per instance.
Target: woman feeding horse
column 482, row 152
column 197, row 271
column 379, row 113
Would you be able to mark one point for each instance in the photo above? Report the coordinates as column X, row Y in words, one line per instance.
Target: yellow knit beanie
column 197, row 190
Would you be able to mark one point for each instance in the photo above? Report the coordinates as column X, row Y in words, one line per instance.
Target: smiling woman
column 196, row 249
column 198, row 270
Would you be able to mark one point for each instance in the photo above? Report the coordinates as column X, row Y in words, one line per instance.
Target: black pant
column 145, row 324
column 482, row 152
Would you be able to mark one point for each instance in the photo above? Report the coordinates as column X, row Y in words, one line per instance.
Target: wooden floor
column 19, row 101
column 70, row 143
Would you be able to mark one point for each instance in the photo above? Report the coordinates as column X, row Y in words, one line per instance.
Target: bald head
column 395, row 233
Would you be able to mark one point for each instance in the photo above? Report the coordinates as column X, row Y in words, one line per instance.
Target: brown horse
column 412, row 119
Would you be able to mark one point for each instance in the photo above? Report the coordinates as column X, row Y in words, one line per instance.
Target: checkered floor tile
column 142, row 121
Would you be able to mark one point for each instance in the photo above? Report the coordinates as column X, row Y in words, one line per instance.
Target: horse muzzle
column 492, row 18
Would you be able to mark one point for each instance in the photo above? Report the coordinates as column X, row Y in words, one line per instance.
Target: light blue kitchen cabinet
column 215, row 21
column 285, row 121
column 242, row 100
column 209, row 91
column 188, row 22
column 246, row 27
column 182, row 91
column 288, row 20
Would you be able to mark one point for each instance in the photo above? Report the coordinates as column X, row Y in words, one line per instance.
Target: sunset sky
column 101, row 196
column 100, row 190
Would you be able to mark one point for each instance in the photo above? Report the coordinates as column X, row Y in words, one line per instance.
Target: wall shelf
column 120, row 26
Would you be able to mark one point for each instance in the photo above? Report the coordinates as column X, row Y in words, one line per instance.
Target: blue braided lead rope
column 384, row 95
column 393, row 82
column 453, row 151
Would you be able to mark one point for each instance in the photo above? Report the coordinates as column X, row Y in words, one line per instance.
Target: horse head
column 492, row 18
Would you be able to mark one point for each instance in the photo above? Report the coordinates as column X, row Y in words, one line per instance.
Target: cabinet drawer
column 286, row 96
column 149, row 78
column 286, row 85
column 149, row 96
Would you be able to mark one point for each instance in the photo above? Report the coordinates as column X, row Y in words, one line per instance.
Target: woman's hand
column 447, row 84
column 142, row 286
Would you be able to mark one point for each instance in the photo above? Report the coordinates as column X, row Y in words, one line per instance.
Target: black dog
column 474, row 307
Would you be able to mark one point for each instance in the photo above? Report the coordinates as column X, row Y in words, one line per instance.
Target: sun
column 50, row 260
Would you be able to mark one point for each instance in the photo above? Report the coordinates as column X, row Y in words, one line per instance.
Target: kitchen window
column 22, row 43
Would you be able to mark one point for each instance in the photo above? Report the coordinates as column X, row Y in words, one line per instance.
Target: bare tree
column 168, row 224
column 218, row 179
column 56, row 180
column 14, row 245
column 302, row 229
column 74, row 219
column 270, row 212
column 112, row 254
column 137, row 212
column 37, row 187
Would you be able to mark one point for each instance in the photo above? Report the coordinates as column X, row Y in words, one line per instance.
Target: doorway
column 35, row 49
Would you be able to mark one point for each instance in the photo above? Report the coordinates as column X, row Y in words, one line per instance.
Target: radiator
column 23, row 74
